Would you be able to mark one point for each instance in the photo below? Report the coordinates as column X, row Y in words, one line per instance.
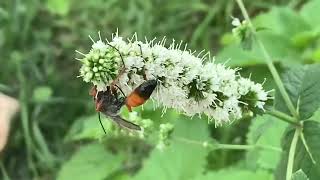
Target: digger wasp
column 109, row 103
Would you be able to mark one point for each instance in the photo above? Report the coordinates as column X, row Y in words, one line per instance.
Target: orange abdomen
column 134, row 100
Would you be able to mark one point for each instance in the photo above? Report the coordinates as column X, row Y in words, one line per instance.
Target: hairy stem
column 270, row 65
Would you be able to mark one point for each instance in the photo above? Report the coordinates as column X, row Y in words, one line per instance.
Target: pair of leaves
column 303, row 86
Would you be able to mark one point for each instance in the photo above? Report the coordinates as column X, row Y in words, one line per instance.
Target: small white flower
column 236, row 22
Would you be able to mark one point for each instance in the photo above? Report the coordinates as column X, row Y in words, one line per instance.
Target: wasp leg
column 93, row 91
column 99, row 105
column 104, row 130
column 129, row 108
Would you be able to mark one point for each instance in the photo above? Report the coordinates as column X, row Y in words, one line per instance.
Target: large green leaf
column 90, row 162
column 279, row 51
column 283, row 21
column 236, row 174
column 88, row 127
column 310, row 12
column 302, row 159
column 303, row 86
column 181, row 160
column 265, row 131
column 299, row 175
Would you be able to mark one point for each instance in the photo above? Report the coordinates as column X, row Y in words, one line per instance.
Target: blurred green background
column 37, row 44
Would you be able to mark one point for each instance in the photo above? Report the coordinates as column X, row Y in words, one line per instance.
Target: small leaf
column 42, row 94
column 299, row 175
column 303, row 86
column 90, row 162
column 262, row 131
column 60, row 7
column 302, row 160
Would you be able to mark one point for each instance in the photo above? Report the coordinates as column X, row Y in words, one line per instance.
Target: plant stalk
column 284, row 117
column 292, row 151
column 270, row 65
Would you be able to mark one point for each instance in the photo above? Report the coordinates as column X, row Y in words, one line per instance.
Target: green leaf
column 60, row 7
column 299, row 175
column 304, row 39
column 282, row 21
column 236, row 174
column 310, row 12
column 42, row 94
column 302, row 160
column 279, row 51
column 180, row 160
column 88, row 127
column 316, row 116
column 90, row 162
column 262, row 131
column 303, row 86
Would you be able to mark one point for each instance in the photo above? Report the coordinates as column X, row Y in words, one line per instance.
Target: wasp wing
column 125, row 124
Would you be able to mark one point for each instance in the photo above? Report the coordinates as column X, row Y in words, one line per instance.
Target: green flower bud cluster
column 100, row 65
column 165, row 131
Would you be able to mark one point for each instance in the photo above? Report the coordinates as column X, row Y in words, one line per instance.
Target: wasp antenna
column 80, row 53
column 91, row 38
column 118, row 52
column 120, row 90
column 104, row 130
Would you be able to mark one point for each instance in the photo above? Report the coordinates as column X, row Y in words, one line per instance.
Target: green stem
column 292, row 151
column 270, row 65
column 4, row 172
column 217, row 146
column 284, row 117
column 25, row 117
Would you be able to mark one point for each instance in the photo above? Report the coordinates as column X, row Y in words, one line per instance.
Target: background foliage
column 57, row 135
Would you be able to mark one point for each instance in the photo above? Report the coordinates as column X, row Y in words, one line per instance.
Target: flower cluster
column 186, row 82
column 241, row 29
column 165, row 131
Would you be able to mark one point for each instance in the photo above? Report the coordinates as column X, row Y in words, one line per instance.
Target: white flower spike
column 190, row 84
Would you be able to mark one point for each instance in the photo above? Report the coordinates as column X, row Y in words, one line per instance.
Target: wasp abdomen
column 145, row 89
column 141, row 94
